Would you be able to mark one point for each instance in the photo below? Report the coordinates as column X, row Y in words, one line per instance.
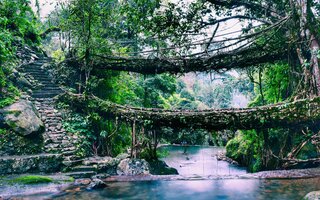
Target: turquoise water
column 199, row 161
column 196, row 161
column 242, row 189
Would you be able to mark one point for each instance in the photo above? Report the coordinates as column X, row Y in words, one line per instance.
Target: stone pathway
column 56, row 139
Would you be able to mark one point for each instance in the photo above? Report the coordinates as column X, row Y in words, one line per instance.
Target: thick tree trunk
column 309, row 39
column 314, row 47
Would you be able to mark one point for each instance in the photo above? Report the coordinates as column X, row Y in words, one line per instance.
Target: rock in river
column 133, row 167
column 315, row 195
column 22, row 117
column 96, row 184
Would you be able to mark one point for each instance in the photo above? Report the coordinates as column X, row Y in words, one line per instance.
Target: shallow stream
column 202, row 177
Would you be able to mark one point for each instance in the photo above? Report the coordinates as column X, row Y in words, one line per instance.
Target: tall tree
column 286, row 30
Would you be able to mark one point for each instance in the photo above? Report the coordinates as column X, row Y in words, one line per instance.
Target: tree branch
column 49, row 30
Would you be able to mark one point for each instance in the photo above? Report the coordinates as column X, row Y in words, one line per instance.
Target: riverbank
column 275, row 174
column 62, row 185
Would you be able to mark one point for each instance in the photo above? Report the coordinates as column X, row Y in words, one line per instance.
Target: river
column 201, row 176
column 201, row 162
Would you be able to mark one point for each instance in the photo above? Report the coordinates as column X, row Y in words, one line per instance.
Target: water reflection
column 201, row 161
column 244, row 189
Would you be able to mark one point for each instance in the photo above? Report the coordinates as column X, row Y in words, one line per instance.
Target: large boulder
column 130, row 167
column 159, row 167
column 22, row 117
column 315, row 195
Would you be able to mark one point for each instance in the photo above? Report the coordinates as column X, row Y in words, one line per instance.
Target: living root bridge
column 298, row 113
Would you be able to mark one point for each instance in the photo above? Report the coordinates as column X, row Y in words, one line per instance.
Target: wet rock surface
column 315, row 195
column 82, row 181
column 130, row 167
column 96, row 184
column 159, row 167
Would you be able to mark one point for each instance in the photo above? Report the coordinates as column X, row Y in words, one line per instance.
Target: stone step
column 45, row 82
column 52, row 121
column 55, row 151
column 52, row 146
column 44, row 108
column 38, row 73
column 30, row 68
column 83, row 168
column 42, row 78
column 85, row 174
column 48, row 90
column 53, row 141
column 68, row 153
column 45, row 99
column 53, row 87
column 69, row 149
column 71, row 158
column 71, row 163
column 55, row 138
column 41, row 95
column 37, row 64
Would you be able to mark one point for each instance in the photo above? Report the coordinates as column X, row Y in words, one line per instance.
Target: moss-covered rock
column 12, row 143
column 29, row 164
column 32, row 179
column 159, row 167
column 245, row 150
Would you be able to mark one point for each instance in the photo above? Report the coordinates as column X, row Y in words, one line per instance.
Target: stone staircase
column 56, row 139
column 45, row 88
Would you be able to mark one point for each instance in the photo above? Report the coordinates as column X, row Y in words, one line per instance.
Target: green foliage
column 17, row 25
column 190, row 136
column 2, row 80
column 97, row 136
column 162, row 153
column 58, row 55
column 80, row 126
column 17, row 19
column 157, row 89
column 245, row 148
column 3, row 131
column 32, row 179
column 274, row 82
column 252, row 148
column 9, row 95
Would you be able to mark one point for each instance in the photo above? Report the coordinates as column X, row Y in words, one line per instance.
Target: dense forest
column 165, row 56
